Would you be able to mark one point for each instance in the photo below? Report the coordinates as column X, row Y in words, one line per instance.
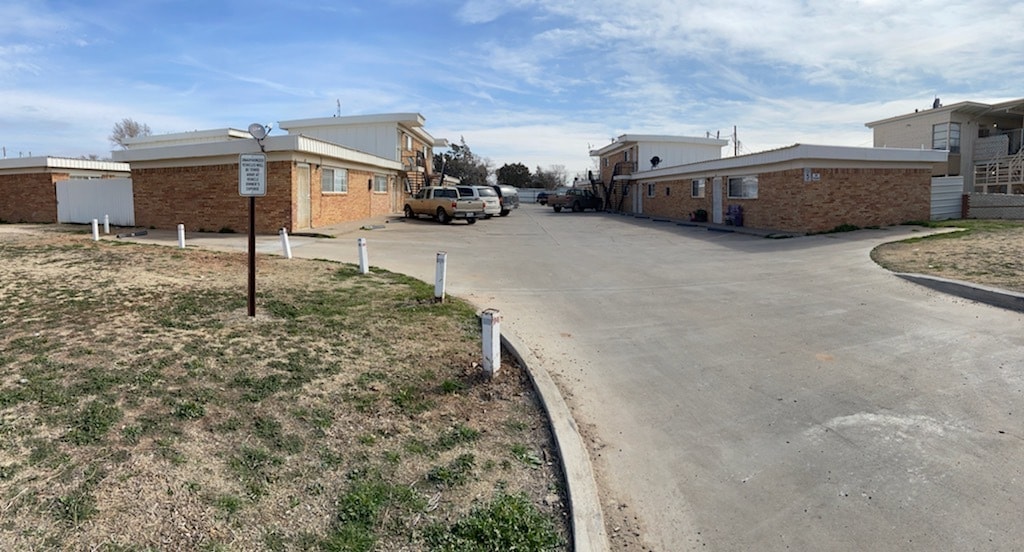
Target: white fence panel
column 81, row 200
column 947, row 197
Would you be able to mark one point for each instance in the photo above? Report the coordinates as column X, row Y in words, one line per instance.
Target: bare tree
column 128, row 128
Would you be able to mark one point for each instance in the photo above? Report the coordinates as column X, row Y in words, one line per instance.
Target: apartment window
column 334, row 180
column 604, row 160
column 650, row 190
column 668, row 191
column 946, row 136
column 743, row 187
column 380, row 183
column 697, row 187
column 627, row 156
column 408, row 142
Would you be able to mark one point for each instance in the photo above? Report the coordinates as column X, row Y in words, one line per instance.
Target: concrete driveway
column 741, row 393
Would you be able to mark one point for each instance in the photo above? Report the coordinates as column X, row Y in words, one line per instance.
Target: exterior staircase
column 1001, row 175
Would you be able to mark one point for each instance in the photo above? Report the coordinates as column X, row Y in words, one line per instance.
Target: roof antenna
column 936, row 104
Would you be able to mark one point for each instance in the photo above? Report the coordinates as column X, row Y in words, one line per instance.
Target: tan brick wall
column 860, row 197
column 358, row 203
column 672, row 199
column 29, row 197
column 205, row 198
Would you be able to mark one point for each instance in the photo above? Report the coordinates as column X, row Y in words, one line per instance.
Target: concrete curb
column 975, row 292
column 584, row 503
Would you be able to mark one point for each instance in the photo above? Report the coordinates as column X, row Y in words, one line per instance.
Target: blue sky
column 532, row 81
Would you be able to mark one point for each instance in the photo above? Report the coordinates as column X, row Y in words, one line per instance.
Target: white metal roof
column 291, row 143
column 801, row 153
column 45, row 162
column 970, row 108
column 192, row 137
column 627, row 140
column 408, row 119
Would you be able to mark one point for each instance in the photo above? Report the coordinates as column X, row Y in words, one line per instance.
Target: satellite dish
column 258, row 131
column 655, row 161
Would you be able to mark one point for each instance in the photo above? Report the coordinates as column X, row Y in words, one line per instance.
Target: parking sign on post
column 252, row 175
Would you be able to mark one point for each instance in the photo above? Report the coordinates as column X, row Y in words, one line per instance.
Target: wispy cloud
column 523, row 80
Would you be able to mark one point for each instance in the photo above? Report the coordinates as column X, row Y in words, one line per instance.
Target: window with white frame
column 743, row 187
column 697, row 187
column 627, row 156
column 650, row 190
column 408, row 142
column 380, row 183
column 946, row 136
column 334, row 180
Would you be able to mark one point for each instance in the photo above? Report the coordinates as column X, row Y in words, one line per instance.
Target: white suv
column 492, row 203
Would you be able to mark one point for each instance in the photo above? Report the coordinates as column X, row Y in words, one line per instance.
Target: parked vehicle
column 577, row 199
column 542, row 198
column 509, row 197
column 492, row 203
column 444, row 204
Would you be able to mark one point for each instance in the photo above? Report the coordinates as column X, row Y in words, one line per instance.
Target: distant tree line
column 462, row 163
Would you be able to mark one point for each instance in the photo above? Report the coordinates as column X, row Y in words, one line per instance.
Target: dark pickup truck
column 575, row 199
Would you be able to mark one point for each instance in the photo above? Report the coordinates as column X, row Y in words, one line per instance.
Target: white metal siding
column 947, row 196
column 80, row 201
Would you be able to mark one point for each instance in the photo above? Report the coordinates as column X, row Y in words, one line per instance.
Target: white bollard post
column 492, row 341
column 106, row 224
column 95, row 230
column 364, row 263
column 440, row 275
column 181, row 236
column 285, row 244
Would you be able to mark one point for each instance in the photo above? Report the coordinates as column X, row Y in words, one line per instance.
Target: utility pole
column 735, row 142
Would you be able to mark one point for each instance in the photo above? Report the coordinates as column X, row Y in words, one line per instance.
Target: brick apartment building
column 325, row 171
column 801, row 188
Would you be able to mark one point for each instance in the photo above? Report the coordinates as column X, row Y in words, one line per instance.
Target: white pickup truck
column 444, row 204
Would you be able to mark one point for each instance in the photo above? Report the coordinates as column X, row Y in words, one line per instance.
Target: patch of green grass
column 189, row 410
column 453, row 473
column 509, row 522
column 360, row 510
column 526, row 456
column 92, row 422
column 76, row 506
column 256, row 468
column 229, row 504
column 456, row 436
column 268, row 429
column 411, row 400
column 450, row 387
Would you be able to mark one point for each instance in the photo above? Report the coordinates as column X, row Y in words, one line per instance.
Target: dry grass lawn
column 141, row 409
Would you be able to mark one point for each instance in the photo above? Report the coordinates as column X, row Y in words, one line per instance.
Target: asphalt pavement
column 743, row 393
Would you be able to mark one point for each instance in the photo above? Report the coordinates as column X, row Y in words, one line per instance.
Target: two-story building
column 324, row 171
column 801, row 188
column 398, row 137
column 630, row 153
column 983, row 141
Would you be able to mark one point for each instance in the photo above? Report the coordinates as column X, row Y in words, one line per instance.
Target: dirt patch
column 989, row 257
column 141, row 408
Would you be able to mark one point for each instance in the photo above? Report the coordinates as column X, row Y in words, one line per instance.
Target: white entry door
column 303, row 210
column 716, row 200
